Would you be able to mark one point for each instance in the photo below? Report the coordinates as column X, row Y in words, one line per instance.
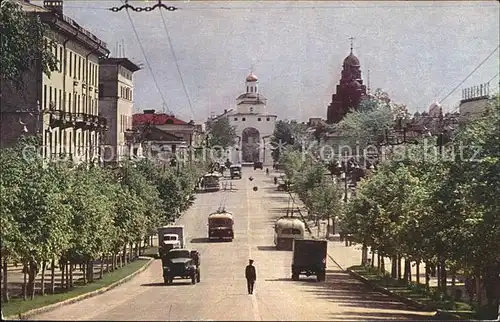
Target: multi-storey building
column 116, row 105
column 63, row 109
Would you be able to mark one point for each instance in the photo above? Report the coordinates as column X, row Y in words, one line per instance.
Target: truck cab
column 170, row 241
column 286, row 230
column 309, row 258
column 183, row 263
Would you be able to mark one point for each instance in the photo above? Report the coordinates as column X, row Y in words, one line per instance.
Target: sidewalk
column 347, row 256
column 15, row 277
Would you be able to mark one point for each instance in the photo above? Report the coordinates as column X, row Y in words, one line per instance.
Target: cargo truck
column 170, row 237
column 309, row 258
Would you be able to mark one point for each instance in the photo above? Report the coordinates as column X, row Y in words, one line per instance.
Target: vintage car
column 220, row 225
column 258, row 165
column 183, row 263
column 235, row 171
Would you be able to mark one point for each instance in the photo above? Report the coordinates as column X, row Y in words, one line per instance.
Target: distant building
column 254, row 126
column 116, row 105
column 159, row 129
column 350, row 90
column 474, row 101
column 63, row 109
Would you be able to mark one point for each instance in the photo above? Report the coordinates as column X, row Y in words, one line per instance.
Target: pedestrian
column 275, row 180
column 250, row 275
column 267, row 171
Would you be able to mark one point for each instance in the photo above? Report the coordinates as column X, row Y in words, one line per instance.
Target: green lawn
column 414, row 292
column 150, row 252
column 18, row 306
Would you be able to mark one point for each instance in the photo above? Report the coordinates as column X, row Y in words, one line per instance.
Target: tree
column 289, row 134
column 374, row 116
column 24, row 46
column 221, row 133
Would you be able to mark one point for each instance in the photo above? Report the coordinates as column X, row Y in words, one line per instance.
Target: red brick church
column 350, row 90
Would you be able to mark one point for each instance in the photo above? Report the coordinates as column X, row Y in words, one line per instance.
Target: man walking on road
column 250, row 275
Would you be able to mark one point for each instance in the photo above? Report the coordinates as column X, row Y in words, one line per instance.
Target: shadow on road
column 267, row 248
column 303, row 279
column 203, row 240
column 179, row 282
column 154, row 284
column 357, row 299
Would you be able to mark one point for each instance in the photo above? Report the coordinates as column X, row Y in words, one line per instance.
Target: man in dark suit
column 250, row 275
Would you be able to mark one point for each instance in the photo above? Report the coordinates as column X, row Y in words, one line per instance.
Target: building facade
column 350, row 91
column 63, row 109
column 254, row 125
column 116, row 105
column 152, row 130
column 475, row 101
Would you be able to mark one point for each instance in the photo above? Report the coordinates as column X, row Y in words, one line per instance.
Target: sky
column 416, row 51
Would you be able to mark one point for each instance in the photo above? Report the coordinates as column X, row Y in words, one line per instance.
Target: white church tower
column 254, row 126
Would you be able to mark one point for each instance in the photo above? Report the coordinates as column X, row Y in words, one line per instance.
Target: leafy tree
column 375, row 115
column 221, row 133
column 289, row 134
column 24, row 46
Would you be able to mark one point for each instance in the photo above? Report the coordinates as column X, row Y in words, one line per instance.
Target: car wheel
column 295, row 277
column 193, row 279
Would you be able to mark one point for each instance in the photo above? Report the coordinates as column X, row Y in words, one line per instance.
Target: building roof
column 252, row 78
column 125, row 62
column 156, row 119
column 155, row 134
column 351, row 60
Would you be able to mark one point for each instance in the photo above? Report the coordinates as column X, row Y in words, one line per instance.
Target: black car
column 258, row 165
column 181, row 263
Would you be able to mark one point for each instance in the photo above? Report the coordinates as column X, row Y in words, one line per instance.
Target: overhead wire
column 177, row 63
column 148, row 124
column 470, row 74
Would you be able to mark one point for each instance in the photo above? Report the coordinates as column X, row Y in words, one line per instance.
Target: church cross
column 352, row 43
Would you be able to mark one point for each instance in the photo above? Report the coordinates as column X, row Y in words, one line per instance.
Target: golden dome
column 252, row 78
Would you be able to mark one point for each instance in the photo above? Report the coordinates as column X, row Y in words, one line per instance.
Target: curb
column 384, row 290
column 51, row 307
column 445, row 315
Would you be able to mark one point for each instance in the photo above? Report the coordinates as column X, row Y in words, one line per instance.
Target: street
column 222, row 294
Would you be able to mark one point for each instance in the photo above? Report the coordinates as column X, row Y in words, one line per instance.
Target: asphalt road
column 222, row 293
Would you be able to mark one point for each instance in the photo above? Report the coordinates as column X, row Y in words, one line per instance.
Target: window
column 268, row 119
column 50, row 97
column 74, row 65
column 70, row 62
column 259, row 119
column 251, row 109
column 84, row 103
column 170, row 121
column 60, row 59
column 44, row 97
column 79, row 67
column 247, row 89
column 236, row 119
column 61, row 107
column 130, row 94
column 291, row 231
column 70, row 107
column 243, row 119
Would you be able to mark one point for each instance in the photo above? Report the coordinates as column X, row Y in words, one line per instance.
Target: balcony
column 61, row 119
column 90, row 122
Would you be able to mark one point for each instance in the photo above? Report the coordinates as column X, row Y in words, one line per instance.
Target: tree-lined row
column 437, row 205
column 61, row 214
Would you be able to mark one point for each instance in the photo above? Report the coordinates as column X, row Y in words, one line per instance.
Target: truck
column 170, row 237
column 309, row 258
column 181, row 262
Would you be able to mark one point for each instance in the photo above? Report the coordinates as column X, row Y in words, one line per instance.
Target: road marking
column 255, row 304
